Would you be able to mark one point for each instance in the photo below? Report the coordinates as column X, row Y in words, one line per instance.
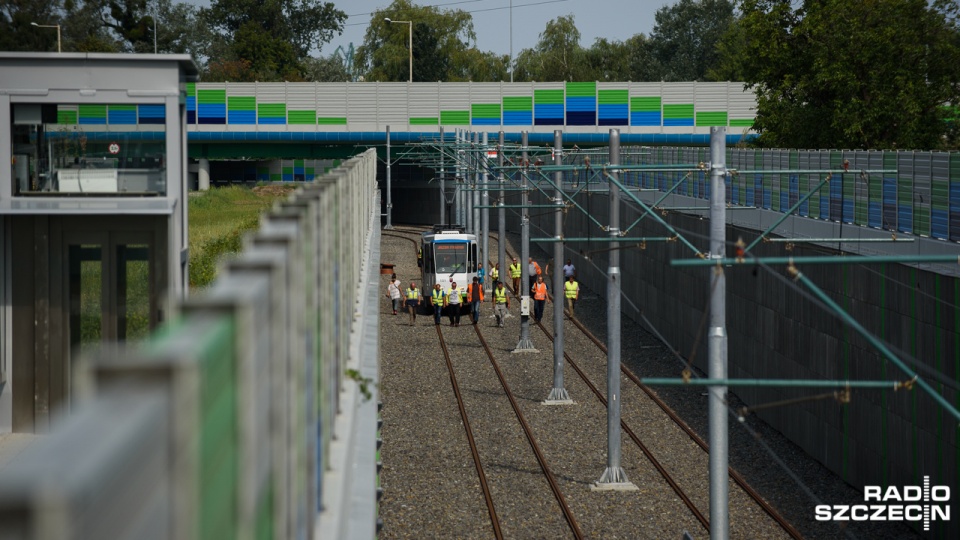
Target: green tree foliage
column 16, row 33
column 832, row 73
column 326, row 69
column 103, row 26
column 557, row 56
column 684, row 38
column 444, row 46
column 267, row 39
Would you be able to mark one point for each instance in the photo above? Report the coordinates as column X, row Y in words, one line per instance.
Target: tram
column 448, row 254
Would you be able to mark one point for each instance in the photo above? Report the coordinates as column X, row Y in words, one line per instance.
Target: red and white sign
column 492, row 154
column 114, row 148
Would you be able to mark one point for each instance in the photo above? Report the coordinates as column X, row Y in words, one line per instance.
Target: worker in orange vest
column 539, row 291
column 475, row 297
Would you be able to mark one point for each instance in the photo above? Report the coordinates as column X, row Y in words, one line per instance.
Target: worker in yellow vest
column 571, row 290
column 495, row 275
column 413, row 302
column 438, row 299
column 501, row 303
column 515, row 272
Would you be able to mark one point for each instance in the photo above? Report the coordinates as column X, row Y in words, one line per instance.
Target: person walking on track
column 501, row 303
column 454, row 299
column 495, row 275
column 571, row 289
column 569, row 269
column 393, row 293
column 475, row 297
column 533, row 271
column 515, row 272
column 481, row 273
column 413, row 302
column 539, row 291
column 438, row 299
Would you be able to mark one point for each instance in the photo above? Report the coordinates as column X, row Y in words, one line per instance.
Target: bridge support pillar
column 203, row 175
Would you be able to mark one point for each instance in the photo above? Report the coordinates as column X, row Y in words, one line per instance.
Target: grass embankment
column 218, row 220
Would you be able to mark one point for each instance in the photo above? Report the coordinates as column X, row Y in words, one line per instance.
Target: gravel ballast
column 430, row 483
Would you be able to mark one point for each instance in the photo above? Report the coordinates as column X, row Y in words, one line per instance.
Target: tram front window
column 451, row 258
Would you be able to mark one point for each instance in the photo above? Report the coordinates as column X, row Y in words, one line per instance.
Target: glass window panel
column 86, row 296
column 133, row 292
column 90, row 149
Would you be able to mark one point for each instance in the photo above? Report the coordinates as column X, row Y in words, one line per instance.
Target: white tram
column 447, row 255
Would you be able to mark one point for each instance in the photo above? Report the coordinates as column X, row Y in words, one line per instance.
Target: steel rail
column 528, row 431
column 633, row 436
column 736, row 476
column 484, row 485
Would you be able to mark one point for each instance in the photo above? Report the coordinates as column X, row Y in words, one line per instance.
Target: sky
column 612, row 19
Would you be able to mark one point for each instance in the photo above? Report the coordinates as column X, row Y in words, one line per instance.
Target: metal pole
column 389, row 224
column 443, row 191
column 717, row 341
column 458, row 195
column 485, row 212
column 558, row 394
column 511, row 41
column 525, row 344
column 614, row 477
column 475, row 199
column 501, row 214
column 411, row 50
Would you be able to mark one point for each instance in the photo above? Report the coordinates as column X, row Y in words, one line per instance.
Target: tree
column 326, row 69
column 685, row 35
column 272, row 37
column 607, row 61
column 641, row 63
column 557, row 56
column 442, row 41
column 835, row 74
column 16, row 33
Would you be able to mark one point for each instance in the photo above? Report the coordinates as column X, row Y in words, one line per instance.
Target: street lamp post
column 57, row 26
column 411, row 42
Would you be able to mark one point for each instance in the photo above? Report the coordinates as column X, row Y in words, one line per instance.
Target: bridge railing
column 231, row 420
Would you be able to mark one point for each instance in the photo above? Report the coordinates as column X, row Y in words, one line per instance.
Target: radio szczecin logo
column 924, row 503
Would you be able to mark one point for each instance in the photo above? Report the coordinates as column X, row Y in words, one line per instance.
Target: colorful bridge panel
column 272, row 113
column 613, row 107
column 678, row 115
column 211, row 106
column 548, row 107
column 151, row 114
column 122, row 115
column 485, row 114
column 92, row 114
column 581, row 103
column 191, row 91
column 645, row 111
column 517, row 111
column 242, row 110
column 455, row 118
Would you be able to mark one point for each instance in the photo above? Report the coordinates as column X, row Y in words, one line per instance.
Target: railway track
column 568, row 515
column 478, row 463
column 734, row 475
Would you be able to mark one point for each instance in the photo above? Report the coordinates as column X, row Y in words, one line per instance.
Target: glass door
column 110, row 288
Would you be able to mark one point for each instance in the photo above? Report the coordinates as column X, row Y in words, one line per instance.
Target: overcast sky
column 612, row 19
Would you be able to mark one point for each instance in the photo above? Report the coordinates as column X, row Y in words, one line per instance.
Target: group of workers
column 472, row 296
